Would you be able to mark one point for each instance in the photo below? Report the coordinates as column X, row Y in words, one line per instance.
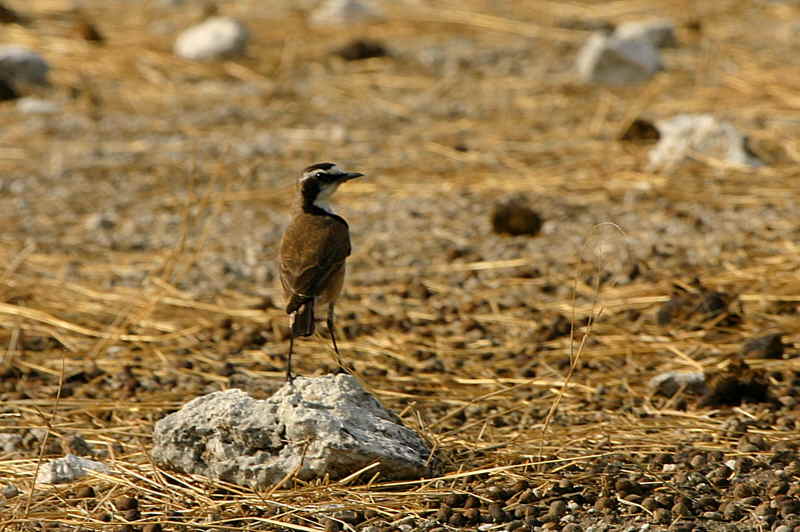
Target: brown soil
column 140, row 225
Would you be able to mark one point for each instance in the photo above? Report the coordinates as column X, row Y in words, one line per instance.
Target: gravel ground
column 141, row 221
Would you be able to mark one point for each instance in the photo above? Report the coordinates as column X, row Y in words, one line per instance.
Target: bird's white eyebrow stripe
column 332, row 170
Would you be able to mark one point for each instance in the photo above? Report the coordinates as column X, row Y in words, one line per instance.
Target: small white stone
column 670, row 382
column 37, row 106
column 68, row 469
column 216, row 38
column 614, row 61
column 659, row 32
column 688, row 136
column 344, row 13
column 10, row 442
column 21, row 65
column 573, row 506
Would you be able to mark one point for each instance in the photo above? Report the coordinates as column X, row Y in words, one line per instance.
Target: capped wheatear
column 313, row 252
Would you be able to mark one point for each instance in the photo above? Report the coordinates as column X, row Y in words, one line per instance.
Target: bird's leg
column 332, row 329
column 289, row 376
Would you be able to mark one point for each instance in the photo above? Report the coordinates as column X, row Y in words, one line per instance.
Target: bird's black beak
column 351, row 175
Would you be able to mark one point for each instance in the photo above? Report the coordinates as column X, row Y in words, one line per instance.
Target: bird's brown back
column 313, row 250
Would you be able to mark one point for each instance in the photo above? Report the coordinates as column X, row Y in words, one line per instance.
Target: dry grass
column 141, row 221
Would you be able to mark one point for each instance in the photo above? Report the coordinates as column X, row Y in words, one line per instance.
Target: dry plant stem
column 574, row 358
column 290, row 474
column 576, row 355
column 16, row 262
column 42, row 447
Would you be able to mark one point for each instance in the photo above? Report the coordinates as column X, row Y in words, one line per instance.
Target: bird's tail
column 303, row 320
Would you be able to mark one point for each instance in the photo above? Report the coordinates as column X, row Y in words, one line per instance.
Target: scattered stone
column 472, row 515
column 662, row 515
column 7, row 91
column 77, row 445
column 731, row 511
column 659, row 32
column 350, row 517
column 87, row 30
column 331, row 525
column 9, row 16
column 125, row 503
column 768, row 346
column 359, row 49
column 557, row 509
column 345, row 13
column 699, row 136
column 640, row 130
column 455, row 500
column 216, row 38
column 37, row 106
column 736, row 384
column 312, row 428
column 68, row 469
column 21, row 65
column 669, row 383
column 85, row 492
column 497, row 513
column 515, row 218
column 680, row 509
column 10, row 443
column 701, row 305
column 10, row 491
column 614, row 61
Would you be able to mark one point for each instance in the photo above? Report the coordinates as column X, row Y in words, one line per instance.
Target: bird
column 313, row 252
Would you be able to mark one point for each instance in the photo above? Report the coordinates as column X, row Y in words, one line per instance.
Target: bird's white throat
column 323, row 200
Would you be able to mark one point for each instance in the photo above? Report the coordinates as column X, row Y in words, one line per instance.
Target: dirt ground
column 140, row 224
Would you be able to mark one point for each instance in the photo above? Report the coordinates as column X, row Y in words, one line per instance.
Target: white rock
column 614, row 61
column 21, row 65
column 10, row 442
column 670, row 382
column 216, row 38
column 345, row 13
column 325, row 426
column 37, row 106
column 690, row 136
column 68, row 469
column 660, row 32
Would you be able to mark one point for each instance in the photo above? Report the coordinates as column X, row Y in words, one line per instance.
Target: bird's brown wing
column 313, row 249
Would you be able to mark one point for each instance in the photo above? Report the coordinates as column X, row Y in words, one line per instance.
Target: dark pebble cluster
column 691, row 489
